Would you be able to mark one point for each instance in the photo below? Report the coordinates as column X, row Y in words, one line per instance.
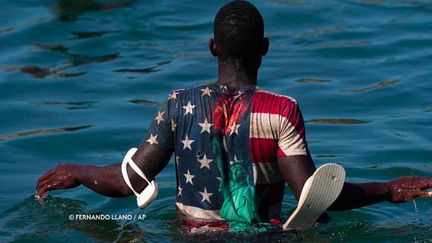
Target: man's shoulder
column 272, row 97
column 191, row 92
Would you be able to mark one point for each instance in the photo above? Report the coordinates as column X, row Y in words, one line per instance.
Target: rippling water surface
column 80, row 81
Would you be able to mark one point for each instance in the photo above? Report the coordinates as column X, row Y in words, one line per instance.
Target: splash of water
column 415, row 206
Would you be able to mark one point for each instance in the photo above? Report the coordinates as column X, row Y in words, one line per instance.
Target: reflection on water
column 39, row 72
column 323, row 31
column 42, row 131
column 419, row 3
column 143, row 70
column 71, row 105
column 68, row 10
column 137, row 70
column 74, row 60
column 326, row 156
column 145, row 102
column 340, row 44
column 337, row 121
column 310, row 80
column 375, row 86
column 91, row 34
column 82, row 59
column 6, row 30
column 193, row 55
column 53, row 47
column 375, row 166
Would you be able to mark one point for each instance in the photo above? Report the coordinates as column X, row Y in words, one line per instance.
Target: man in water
column 235, row 145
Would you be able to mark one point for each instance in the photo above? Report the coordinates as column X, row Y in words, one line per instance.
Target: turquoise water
column 81, row 80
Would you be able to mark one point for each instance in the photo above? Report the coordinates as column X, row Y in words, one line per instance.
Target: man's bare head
column 238, row 32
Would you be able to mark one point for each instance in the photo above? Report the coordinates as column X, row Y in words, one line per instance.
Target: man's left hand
column 407, row 188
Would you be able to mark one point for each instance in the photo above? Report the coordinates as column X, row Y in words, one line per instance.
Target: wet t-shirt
column 226, row 143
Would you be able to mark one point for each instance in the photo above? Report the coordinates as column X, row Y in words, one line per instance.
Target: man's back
column 226, row 143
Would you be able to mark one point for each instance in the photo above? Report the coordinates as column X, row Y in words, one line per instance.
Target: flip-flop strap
column 128, row 160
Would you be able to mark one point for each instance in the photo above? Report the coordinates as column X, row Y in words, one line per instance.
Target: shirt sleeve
column 161, row 130
column 292, row 138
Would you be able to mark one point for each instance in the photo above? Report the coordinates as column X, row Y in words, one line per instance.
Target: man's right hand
column 62, row 176
column 106, row 180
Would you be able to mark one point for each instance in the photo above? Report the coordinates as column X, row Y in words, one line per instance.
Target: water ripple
column 375, row 86
column 142, row 70
column 82, row 59
column 340, row 44
column 145, row 102
column 338, row 121
column 137, row 70
column 69, row 10
column 6, row 30
column 322, row 31
column 92, row 34
column 71, row 105
column 53, row 47
column 39, row 72
column 73, row 60
column 42, row 131
column 311, row 80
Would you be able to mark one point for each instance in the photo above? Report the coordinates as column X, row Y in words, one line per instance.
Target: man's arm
column 297, row 169
column 106, row 180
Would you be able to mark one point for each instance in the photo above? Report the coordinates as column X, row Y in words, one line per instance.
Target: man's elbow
column 123, row 190
column 119, row 190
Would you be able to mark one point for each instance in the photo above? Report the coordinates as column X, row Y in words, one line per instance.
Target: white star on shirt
column 173, row 95
column 206, row 195
column 206, row 91
column 189, row 177
column 224, row 87
column 205, row 126
column 187, row 143
column 180, row 189
column 173, row 125
column 159, row 117
column 152, row 139
column 234, row 128
column 205, row 162
column 189, row 108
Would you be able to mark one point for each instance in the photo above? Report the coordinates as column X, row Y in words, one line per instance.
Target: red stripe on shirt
column 267, row 102
column 263, row 150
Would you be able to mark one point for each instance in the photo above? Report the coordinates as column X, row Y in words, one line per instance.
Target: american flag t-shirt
column 256, row 126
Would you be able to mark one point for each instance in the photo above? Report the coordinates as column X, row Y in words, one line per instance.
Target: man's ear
column 264, row 46
column 212, row 47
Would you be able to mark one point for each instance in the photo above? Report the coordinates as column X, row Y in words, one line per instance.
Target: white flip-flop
column 319, row 192
column 150, row 192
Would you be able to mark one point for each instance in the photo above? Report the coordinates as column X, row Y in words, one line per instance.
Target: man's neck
column 234, row 74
